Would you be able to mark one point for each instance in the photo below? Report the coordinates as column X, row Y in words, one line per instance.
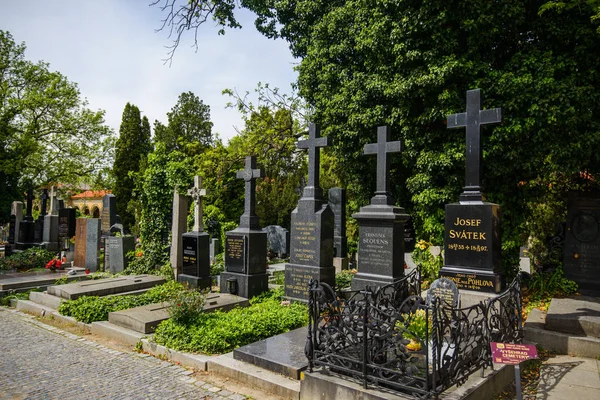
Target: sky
column 111, row 49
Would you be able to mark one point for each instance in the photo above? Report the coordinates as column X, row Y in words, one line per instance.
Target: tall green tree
column 131, row 151
column 47, row 133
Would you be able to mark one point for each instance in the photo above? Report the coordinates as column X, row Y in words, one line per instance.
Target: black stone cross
column 472, row 120
column 249, row 174
column 382, row 148
column 313, row 143
column 29, row 216
column 44, row 198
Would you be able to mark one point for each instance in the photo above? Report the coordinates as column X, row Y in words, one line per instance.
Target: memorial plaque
column 581, row 253
column 444, row 289
column 304, row 239
column 235, row 253
column 297, row 279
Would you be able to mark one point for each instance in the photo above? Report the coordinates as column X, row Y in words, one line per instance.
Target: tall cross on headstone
column 196, row 193
column 472, row 120
column 44, row 198
column 313, row 144
column 249, row 174
column 382, row 148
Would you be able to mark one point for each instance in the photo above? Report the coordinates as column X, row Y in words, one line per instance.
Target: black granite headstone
column 337, row 202
column 472, row 245
column 66, row 225
column 196, row 262
column 26, row 234
column 109, row 213
column 581, row 253
column 381, row 224
column 11, row 229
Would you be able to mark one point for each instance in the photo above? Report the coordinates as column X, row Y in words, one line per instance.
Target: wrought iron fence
column 410, row 347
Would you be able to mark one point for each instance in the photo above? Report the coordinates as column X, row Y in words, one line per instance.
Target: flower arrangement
column 54, row 264
column 415, row 328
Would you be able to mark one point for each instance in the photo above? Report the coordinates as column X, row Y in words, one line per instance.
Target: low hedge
column 220, row 332
column 27, row 259
column 93, row 308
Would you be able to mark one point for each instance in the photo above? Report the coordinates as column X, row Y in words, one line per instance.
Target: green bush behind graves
column 27, row 259
column 93, row 308
column 221, row 332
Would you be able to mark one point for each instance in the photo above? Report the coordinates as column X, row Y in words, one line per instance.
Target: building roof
column 91, row 194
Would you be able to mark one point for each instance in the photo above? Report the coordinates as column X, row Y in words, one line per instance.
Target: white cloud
column 111, row 50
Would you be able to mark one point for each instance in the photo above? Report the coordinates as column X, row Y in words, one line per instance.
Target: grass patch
column 93, row 308
column 220, row 332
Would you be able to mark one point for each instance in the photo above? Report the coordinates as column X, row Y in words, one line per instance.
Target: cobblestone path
column 39, row 361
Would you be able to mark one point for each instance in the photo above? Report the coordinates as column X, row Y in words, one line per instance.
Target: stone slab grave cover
column 581, row 251
column 311, row 247
column 278, row 240
column 178, row 225
column 87, row 243
column 283, row 353
column 115, row 256
column 381, row 224
column 578, row 315
column 195, row 269
column 246, row 246
column 104, row 287
column 472, row 244
column 145, row 319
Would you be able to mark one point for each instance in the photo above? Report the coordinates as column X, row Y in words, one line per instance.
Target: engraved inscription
column 305, row 237
column 472, row 282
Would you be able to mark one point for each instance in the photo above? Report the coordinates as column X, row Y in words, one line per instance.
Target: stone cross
column 313, row 143
column 382, row 148
column 44, row 198
column 472, row 120
column 197, row 192
column 53, row 202
column 249, row 174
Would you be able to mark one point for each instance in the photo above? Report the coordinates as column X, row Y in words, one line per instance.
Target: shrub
column 430, row 265
column 27, row 259
column 93, row 308
column 221, row 332
column 343, row 279
column 186, row 305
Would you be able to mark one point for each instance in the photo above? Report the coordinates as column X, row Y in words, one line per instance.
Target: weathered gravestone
column 50, row 236
column 472, row 248
column 337, row 203
column 178, row 224
column 311, row 249
column 16, row 216
column 196, row 262
column 246, row 246
column 444, row 289
column 87, row 243
column 38, row 236
column 27, row 226
column 581, row 251
column 117, row 247
column 381, row 224
column 278, row 240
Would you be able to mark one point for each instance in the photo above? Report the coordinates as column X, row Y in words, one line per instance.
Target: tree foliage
column 47, row 133
column 131, row 151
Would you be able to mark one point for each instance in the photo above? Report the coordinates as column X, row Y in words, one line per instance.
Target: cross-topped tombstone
column 382, row 148
column 472, row 120
column 472, row 244
column 197, row 193
column 53, row 202
column 381, row 224
column 245, row 272
column 311, row 236
column 249, row 174
column 44, row 198
column 313, row 144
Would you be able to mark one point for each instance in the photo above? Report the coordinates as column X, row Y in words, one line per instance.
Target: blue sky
column 111, row 50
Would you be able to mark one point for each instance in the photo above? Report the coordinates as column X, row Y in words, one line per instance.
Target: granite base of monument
column 297, row 278
column 474, row 279
column 244, row 285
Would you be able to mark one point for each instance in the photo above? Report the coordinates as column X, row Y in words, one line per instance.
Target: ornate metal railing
column 396, row 322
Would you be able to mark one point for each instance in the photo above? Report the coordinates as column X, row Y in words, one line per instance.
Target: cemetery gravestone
column 87, row 243
column 246, row 246
column 581, row 252
column 337, row 203
column 196, row 262
column 66, row 230
column 80, row 242
column 118, row 247
column 179, row 222
column 16, row 218
column 278, row 240
column 214, row 249
column 472, row 245
column 50, row 236
column 311, row 248
column 109, row 213
column 27, row 226
column 444, row 289
column 39, row 223
column 381, row 224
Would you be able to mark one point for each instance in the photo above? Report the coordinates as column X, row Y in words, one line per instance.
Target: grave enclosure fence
column 454, row 342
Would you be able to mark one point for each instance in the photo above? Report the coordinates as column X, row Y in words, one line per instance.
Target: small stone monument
column 117, row 247
column 311, row 248
column 337, row 203
column 381, row 224
column 245, row 272
column 195, row 269
column 445, row 289
column 50, row 236
column 472, row 245
column 27, row 226
column 178, row 225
